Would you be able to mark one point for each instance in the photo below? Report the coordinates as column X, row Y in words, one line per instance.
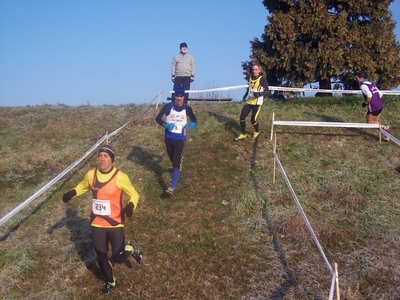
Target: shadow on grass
column 281, row 291
column 149, row 161
column 231, row 125
column 80, row 232
column 54, row 192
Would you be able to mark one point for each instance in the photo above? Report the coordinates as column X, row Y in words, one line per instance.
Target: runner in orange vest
column 108, row 186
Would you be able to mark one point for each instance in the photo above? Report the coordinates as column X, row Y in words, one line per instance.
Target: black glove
column 192, row 78
column 256, row 94
column 68, row 196
column 173, row 78
column 364, row 104
column 244, row 98
column 128, row 210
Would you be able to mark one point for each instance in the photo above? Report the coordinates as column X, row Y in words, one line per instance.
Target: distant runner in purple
column 372, row 100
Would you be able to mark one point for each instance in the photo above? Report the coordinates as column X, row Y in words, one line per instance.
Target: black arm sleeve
column 190, row 114
column 164, row 111
column 245, row 94
column 264, row 83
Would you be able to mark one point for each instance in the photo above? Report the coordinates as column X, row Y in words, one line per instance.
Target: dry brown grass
column 254, row 247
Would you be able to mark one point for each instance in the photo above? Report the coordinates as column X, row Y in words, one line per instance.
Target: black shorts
column 374, row 113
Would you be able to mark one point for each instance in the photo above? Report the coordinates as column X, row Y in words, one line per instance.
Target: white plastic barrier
column 391, row 137
column 51, row 182
column 333, row 124
column 335, row 277
column 320, row 124
column 288, row 89
column 13, row 212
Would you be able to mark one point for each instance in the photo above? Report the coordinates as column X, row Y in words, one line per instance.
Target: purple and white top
column 370, row 90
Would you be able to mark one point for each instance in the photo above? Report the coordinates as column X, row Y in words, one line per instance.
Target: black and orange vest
column 107, row 203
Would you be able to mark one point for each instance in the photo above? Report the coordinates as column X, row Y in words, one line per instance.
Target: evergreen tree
column 325, row 41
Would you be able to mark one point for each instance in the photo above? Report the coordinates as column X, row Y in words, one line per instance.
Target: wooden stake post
column 272, row 125
column 337, row 282
column 159, row 96
column 274, row 152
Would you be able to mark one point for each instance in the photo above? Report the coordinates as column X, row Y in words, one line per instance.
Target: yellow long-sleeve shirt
column 122, row 182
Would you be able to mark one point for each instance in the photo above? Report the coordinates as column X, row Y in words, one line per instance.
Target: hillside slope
column 228, row 232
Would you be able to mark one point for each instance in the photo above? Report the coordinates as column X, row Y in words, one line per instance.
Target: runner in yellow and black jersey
column 255, row 94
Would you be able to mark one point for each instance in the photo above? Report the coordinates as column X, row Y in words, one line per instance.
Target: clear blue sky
column 120, row 51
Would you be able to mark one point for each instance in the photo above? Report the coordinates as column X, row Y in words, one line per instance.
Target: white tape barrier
column 334, row 274
column 287, row 89
column 63, row 173
column 303, row 214
column 335, row 277
column 215, row 89
column 326, row 124
column 310, row 90
column 391, row 137
column 320, row 124
column 54, row 180
column 335, row 124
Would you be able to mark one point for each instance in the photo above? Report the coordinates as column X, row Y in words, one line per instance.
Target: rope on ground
column 22, row 205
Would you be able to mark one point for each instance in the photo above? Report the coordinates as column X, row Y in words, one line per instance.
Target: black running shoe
column 108, row 288
column 136, row 253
